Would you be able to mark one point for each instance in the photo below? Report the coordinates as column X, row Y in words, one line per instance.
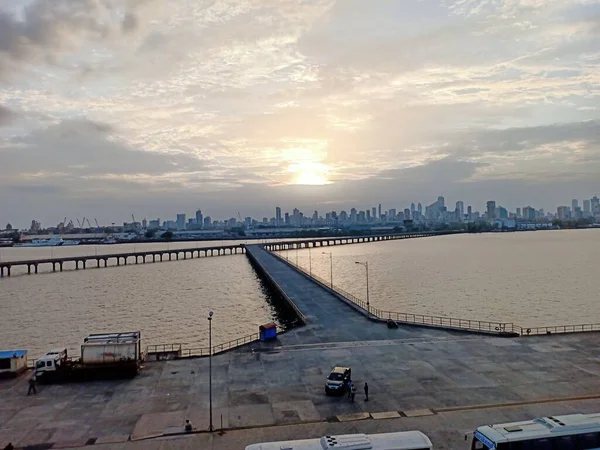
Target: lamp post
column 331, row 266
column 210, row 426
column 366, row 266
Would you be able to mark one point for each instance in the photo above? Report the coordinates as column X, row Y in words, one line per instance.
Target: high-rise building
column 420, row 209
column 368, row 215
column 199, row 218
column 144, row 224
column 441, row 202
column 519, row 213
column 412, row 208
column 529, row 213
column 374, row 212
column 362, row 217
column 406, row 214
column 343, row 216
column 574, row 205
column 587, row 206
column 315, row 216
column 469, row 211
column 563, row 212
column 287, row 219
column 491, row 209
column 207, row 221
column 392, row 214
column 460, row 210
column 595, row 204
column 379, row 215
column 353, row 215
column 180, row 222
column 278, row 216
column 502, row 213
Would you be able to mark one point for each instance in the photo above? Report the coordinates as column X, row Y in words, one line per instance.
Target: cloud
column 41, row 31
column 6, row 115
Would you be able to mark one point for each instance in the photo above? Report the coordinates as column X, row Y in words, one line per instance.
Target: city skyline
column 435, row 211
column 124, row 106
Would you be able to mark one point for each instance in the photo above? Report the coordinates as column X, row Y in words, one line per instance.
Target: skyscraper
column 374, row 212
column 519, row 213
column 379, row 215
column 587, row 206
column 180, row 222
column 460, row 210
column 278, row 216
column 574, row 205
column 595, row 203
column 368, row 215
column 441, row 202
column 420, row 208
column 353, row 215
column 469, row 211
column 199, row 218
column 491, row 209
column 412, row 208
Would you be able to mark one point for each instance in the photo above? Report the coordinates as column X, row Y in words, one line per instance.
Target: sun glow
column 311, row 173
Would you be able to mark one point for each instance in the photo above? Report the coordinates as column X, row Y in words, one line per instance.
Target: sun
column 310, row 173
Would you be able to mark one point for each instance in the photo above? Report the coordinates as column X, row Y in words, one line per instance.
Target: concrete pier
column 81, row 262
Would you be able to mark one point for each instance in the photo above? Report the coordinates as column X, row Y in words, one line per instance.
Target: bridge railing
column 444, row 321
column 417, row 319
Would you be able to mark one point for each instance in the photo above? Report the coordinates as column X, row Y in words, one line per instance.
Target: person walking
column 366, row 392
column 353, row 392
column 32, row 388
column 350, row 385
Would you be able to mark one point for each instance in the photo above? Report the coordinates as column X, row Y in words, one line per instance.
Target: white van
column 406, row 440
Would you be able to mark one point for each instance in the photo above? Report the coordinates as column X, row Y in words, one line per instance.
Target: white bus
column 407, row 440
column 571, row 432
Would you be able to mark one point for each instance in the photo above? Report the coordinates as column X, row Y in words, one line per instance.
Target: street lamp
column 210, row 426
column 331, row 265
column 366, row 266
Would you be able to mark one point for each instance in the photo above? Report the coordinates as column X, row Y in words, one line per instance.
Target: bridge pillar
column 177, row 256
column 8, row 271
column 36, row 268
column 105, row 262
column 28, row 268
column 118, row 260
column 60, row 265
column 76, row 264
column 184, row 255
column 53, row 267
column 97, row 262
column 83, row 263
column 153, row 258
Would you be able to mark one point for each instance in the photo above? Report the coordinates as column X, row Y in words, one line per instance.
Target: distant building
column 595, row 204
column 362, row 218
column 379, row 215
column 574, row 204
column 469, row 211
column 491, row 209
column 343, row 216
column 502, row 213
column 368, row 215
column 199, row 218
column 412, row 208
column 278, row 216
column 180, row 222
column 392, row 214
column 460, row 210
column 374, row 212
column 441, row 201
column 207, row 221
column 287, row 219
column 420, row 209
column 353, row 215
column 563, row 212
column 529, row 213
column 587, row 206
column 519, row 213
column 406, row 215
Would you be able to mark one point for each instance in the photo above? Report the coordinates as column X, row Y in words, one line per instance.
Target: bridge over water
column 82, row 262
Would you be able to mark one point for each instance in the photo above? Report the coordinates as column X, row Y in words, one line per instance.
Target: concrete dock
column 443, row 383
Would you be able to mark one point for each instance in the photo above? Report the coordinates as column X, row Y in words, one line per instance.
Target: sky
column 151, row 107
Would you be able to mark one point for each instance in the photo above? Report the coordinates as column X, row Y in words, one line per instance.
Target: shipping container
column 12, row 362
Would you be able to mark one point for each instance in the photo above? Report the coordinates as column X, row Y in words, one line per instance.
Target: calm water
column 168, row 302
column 530, row 278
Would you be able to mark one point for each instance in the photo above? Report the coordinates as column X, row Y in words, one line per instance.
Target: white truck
column 106, row 355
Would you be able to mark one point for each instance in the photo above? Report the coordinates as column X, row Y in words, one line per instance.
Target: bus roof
column 542, row 427
column 406, row 440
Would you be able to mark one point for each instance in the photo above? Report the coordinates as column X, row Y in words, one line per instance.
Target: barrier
column 502, row 328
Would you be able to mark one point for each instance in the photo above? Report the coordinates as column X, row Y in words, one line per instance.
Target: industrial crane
column 89, row 224
column 97, row 226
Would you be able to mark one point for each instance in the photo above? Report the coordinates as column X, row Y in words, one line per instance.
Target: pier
column 82, row 262
column 330, row 241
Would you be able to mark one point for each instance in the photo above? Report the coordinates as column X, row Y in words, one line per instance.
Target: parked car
column 337, row 381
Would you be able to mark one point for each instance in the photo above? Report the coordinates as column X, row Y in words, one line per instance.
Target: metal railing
column 205, row 351
column 443, row 321
column 417, row 319
column 558, row 329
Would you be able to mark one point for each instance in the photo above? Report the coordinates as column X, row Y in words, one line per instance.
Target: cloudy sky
column 152, row 107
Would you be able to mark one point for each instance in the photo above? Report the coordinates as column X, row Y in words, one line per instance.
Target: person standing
column 353, row 392
column 32, row 388
column 349, row 386
column 366, row 392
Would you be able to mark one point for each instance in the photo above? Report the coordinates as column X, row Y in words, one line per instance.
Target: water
column 169, row 302
column 531, row 278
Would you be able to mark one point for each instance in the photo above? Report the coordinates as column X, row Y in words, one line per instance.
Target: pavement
column 443, row 383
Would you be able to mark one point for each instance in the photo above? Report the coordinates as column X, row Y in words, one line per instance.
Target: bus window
column 565, row 443
column 520, row 445
column 541, row 444
column 588, row 441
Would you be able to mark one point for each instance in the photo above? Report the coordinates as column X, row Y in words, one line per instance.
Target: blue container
column 268, row 332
